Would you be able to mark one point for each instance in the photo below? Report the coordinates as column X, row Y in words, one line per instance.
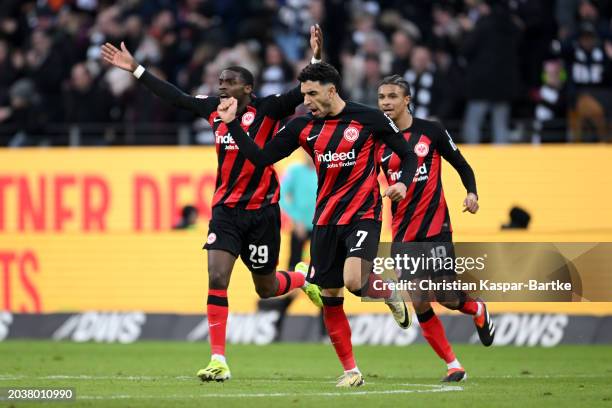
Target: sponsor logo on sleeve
column 392, row 124
column 450, row 140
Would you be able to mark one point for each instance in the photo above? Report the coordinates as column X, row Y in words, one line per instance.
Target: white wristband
column 139, row 71
column 313, row 60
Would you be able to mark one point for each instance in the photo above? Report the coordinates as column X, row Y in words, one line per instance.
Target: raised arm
column 122, row 58
column 286, row 103
column 284, row 142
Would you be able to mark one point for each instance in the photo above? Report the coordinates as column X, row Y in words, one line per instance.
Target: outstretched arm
column 284, row 142
column 122, row 58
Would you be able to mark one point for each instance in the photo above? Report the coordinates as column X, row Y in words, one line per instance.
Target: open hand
column 119, row 58
column 316, row 41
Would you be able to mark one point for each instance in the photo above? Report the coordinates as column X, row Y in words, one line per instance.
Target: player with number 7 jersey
column 341, row 138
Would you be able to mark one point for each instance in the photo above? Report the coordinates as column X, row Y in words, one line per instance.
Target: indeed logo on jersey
column 333, row 159
column 226, row 140
column 421, row 174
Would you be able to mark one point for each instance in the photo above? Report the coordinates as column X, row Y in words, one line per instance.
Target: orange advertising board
column 90, row 229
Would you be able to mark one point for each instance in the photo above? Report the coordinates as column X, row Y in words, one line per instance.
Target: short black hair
column 396, row 80
column 244, row 73
column 322, row 72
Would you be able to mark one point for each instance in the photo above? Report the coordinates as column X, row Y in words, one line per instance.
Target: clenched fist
column 227, row 109
column 396, row 192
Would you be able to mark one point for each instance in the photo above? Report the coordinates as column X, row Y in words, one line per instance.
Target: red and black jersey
column 343, row 149
column 239, row 183
column 424, row 213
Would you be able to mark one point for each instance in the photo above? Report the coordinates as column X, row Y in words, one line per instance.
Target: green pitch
column 289, row 375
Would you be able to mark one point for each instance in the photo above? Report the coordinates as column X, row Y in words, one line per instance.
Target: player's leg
column 326, row 270
column 220, row 265
column 339, row 331
column 361, row 241
column 433, row 331
column 296, row 247
column 259, row 252
column 443, row 246
column 223, row 244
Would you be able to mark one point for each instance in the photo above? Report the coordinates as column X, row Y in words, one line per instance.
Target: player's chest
column 423, row 149
column 338, row 138
column 250, row 122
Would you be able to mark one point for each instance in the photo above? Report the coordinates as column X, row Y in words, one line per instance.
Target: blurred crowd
column 498, row 71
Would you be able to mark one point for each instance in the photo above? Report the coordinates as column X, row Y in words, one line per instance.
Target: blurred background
column 117, row 226
column 539, row 70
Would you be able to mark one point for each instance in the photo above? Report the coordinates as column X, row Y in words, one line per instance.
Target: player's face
column 231, row 84
column 318, row 97
column 392, row 101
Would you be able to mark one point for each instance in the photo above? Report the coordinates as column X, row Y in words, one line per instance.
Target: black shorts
column 254, row 235
column 435, row 257
column 332, row 244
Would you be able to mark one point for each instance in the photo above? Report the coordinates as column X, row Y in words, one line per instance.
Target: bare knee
column 218, row 278
column 353, row 285
column 220, row 264
column 355, row 273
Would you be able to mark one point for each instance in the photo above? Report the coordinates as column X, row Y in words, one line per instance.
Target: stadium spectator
column 449, row 106
column 365, row 92
column 277, row 75
column 423, row 83
column 8, row 71
column 491, row 72
column 401, row 46
column 588, row 62
column 293, row 22
column 43, row 40
column 551, row 105
column 46, row 69
column 88, row 104
column 24, row 117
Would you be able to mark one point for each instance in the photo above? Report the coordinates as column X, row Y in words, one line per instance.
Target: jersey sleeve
column 449, row 150
column 385, row 130
column 282, row 144
column 282, row 105
column 201, row 106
